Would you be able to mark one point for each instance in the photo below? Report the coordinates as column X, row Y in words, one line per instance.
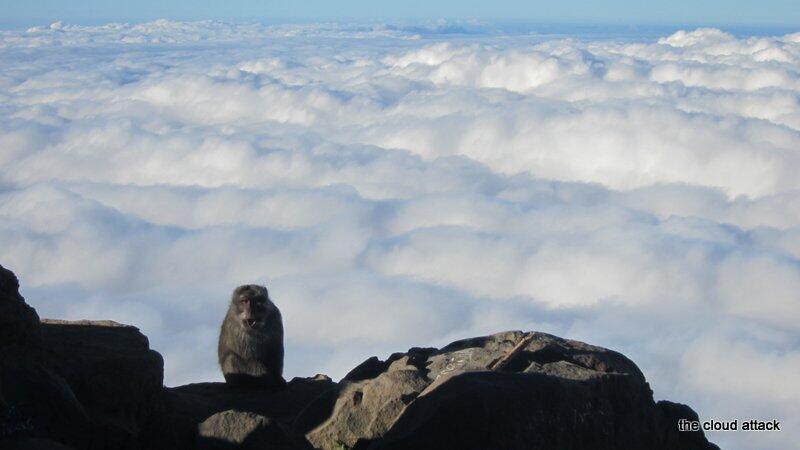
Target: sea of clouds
column 409, row 186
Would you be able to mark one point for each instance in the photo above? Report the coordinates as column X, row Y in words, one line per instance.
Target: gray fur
column 251, row 355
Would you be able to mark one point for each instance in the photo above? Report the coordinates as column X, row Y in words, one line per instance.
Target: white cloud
column 399, row 186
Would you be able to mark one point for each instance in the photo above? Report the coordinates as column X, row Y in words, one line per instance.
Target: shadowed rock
column 19, row 323
column 511, row 390
column 246, row 430
column 35, row 402
column 186, row 409
column 111, row 370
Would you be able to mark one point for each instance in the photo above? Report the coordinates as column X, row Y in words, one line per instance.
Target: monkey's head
column 251, row 306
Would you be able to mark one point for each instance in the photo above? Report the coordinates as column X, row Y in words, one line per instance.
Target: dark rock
column 246, row 430
column 9, row 284
column 370, row 368
column 111, row 370
column 83, row 384
column 671, row 414
column 40, row 404
column 19, row 323
column 185, row 408
column 34, row 401
column 479, row 410
column 33, row 444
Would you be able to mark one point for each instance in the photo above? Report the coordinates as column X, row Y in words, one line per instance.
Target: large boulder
column 511, row 390
column 82, row 384
column 111, row 370
column 534, row 411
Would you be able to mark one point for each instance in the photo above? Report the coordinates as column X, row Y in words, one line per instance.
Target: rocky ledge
column 98, row 385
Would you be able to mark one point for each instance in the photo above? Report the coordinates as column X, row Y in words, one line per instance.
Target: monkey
column 250, row 346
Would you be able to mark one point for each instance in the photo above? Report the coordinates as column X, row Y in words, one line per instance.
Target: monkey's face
column 252, row 307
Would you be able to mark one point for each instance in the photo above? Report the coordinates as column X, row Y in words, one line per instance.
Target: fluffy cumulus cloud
column 399, row 186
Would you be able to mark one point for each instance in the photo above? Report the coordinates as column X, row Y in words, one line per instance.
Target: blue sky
column 675, row 12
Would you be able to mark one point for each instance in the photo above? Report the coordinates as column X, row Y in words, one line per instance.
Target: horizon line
column 25, row 23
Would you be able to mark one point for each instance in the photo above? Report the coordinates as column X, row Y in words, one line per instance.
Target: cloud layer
column 409, row 186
